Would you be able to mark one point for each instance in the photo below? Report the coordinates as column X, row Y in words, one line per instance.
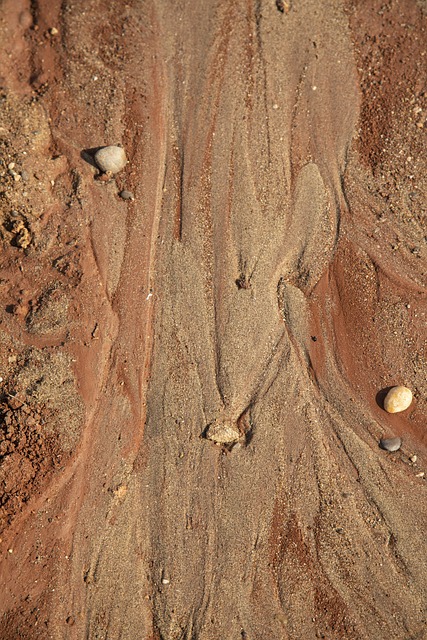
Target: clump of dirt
column 15, row 229
column 47, row 379
column 50, row 313
column 41, row 412
column 18, row 182
column 68, row 265
column 393, row 123
column 34, row 177
column 41, row 417
column 28, row 453
column 392, row 86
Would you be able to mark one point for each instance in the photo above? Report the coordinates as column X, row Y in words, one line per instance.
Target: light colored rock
column 223, row 432
column 391, row 444
column 398, row 399
column 111, row 158
column 126, row 195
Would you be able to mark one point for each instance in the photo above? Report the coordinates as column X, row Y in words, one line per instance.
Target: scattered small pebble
column 165, row 581
column 391, row 444
column 25, row 175
column 111, row 158
column 397, row 399
column 53, row 31
column 105, row 177
column 413, row 458
column 11, row 169
column 420, row 475
column 126, row 195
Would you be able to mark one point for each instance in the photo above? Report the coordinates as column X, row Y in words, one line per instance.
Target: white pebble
column 398, row 399
column 111, row 158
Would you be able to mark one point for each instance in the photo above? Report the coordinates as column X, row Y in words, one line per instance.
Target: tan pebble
column 420, row 475
column 413, row 458
column 223, row 432
column 111, row 158
column 398, row 399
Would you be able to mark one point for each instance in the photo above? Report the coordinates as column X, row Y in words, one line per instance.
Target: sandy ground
column 267, row 281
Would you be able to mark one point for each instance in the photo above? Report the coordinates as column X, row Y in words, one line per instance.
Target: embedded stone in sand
column 111, row 159
column 223, row 432
column 397, row 399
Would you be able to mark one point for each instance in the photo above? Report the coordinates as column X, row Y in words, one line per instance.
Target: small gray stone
column 25, row 175
column 126, row 195
column 390, row 444
column 111, row 158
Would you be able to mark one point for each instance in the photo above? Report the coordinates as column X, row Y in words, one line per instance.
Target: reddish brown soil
column 269, row 278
